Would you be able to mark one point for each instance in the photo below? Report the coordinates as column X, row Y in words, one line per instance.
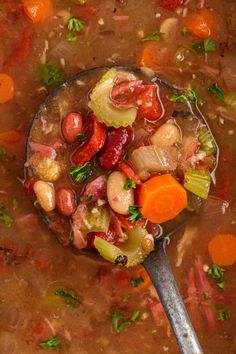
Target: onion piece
column 154, row 159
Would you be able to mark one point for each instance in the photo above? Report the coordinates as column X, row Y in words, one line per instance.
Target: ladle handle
column 159, row 270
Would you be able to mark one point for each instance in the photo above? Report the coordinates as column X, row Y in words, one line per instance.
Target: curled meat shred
column 96, row 188
column 79, row 215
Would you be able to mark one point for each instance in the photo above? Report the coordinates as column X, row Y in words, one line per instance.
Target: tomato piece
column 170, row 4
column 149, row 105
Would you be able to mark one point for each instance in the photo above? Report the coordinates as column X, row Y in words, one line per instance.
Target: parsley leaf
column 223, row 315
column 136, row 281
column 88, row 198
column 206, row 295
column 71, row 299
column 208, row 45
column 119, row 323
column 75, row 24
column 51, row 75
column 184, row 31
column 135, row 214
column 71, row 37
column 155, row 36
column 126, row 298
column 135, row 315
column 216, row 272
column 3, row 154
column 215, row 90
column 82, row 137
column 14, row 203
column 50, row 343
column 221, row 284
column 80, row 174
column 129, row 183
column 189, row 95
column 7, row 219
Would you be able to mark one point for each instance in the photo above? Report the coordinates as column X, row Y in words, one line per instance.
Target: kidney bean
column 71, row 127
column 65, row 201
column 113, row 151
column 45, row 194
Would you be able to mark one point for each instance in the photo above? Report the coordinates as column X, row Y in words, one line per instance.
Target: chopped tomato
column 170, row 4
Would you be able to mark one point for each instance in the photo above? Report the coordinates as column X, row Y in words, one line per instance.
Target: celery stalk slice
column 206, row 141
column 198, row 182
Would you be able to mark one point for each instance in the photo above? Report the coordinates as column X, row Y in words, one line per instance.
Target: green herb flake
column 129, row 184
column 51, row 75
column 208, row 45
column 51, row 343
column 119, row 323
column 215, row 90
column 135, row 214
column 221, row 284
column 216, row 272
column 155, row 36
column 206, row 295
column 80, row 174
column 71, row 299
column 189, row 95
column 126, row 298
column 88, row 198
column 75, row 24
column 71, row 37
column 14, row 204
column 82, row 137
column 7, row 219
column 3, row 154
column 184, row 31
column 223, row 315
column 136, row 281
column 135, row 315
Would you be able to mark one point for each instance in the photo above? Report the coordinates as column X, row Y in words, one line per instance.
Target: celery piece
column 101, row 106
column 206, row 141
column 130, row 254
column 198, row 182
column 97, row 219
column 230, row 99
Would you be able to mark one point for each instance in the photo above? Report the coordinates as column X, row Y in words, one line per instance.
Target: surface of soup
column 53, row 298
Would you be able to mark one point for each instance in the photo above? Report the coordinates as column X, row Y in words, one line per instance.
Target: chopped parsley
column 50, row 343
column 135, row 214
column 7, row 219
column 14, row 203
column 88, row 198
column 80, row 174
column 129, row 184
column 189, row 95
column 208, row 45
column 3, row 154
column 221, row 284
column 71, row 37
column 119, row 323
column 136, row 281
column 155, row 36
column 75, row 24
column 215, row 90
column 51, row 75
column 126, row 298
column 217, row 273
column 184, row 31
column 223, row 315
column 71, row 299
column 82, row 137
column 206, row 295
column 135, row 315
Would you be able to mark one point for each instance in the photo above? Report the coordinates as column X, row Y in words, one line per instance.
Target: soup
column 53, row 298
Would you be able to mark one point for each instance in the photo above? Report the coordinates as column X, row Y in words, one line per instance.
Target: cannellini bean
column 119, row 199
column 167, row 135
column 48, row 170
column 168, row 28
column 45, row 194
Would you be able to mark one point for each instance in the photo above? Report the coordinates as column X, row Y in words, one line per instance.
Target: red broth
column 52, row 297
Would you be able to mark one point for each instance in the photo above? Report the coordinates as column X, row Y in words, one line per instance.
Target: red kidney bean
column 29, row 186
column 71, row 127
column 65, row 201
column 113, row 151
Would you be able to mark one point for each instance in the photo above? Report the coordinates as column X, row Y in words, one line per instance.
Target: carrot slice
column 222, row 249
column 6, row 88
column 10, row 136
column 201, row 24
column 38, row 10
column 153, row 55
column 128, row 171
column 162, row 198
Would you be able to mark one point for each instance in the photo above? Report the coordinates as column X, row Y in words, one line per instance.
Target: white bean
column 45, row 194
column 119, row 199
column 167, row 135
column 169, row 27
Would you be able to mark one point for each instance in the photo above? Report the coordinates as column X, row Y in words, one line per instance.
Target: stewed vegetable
column 115, row 162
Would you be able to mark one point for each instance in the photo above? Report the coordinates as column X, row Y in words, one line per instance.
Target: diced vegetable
column 129, row 254
column 51, row 75
column 48, row 170
column 101, row 106
column 207, row 141
column 75, row 24
column 135, row 214
column 198, row 182
column 119, row 323
column 162, row 198
column 128, row 171
column 97, row 219
column 201, row 23
column 38, row 10
column 189, row 95
column 6, row 88
column 166, row 135
column 222, row 249
column 230, row 99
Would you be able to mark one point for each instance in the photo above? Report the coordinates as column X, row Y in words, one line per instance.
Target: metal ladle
column 156, row 264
